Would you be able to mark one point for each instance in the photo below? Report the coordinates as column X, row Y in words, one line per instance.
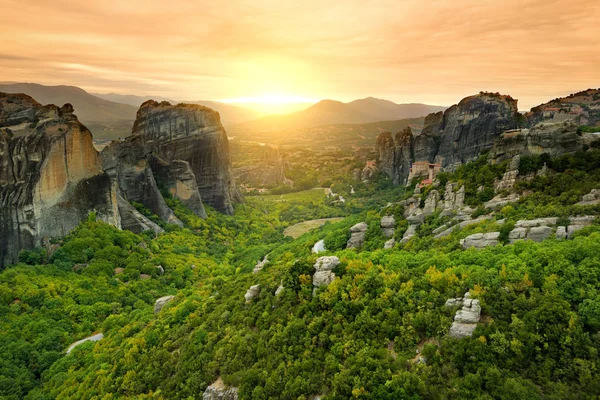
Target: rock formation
column 461, row 134
column 388, row 225
column 466, row 319
column 180, row 149
column 252, row 293
column 219, row 391
column 324, row 274
column 51, row 176
column 357, row 235
column 260, row 265
column 553, row 139
column 160, row 303
column 319, row 247
column 591, row 198
column 481, row 240
column 194, row 134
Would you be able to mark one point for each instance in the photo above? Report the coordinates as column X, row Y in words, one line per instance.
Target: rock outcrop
column 260, row 265
column 252, row 293
column 324, row 274
column 160, row 303
column 388, row 226
column 395, row 154
column 51, row 176
column 194, row 134
column 554, row 139
column 461, row 134
column 358, row 234
column 128, row 164
column 591, row 198
column 319, row 247
column 465, row 319
column 219, row 391
column 481, row 240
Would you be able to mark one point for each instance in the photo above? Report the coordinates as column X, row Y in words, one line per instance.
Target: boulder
column 279, row 290
column 481, row 240
column 409, row 233
column 389, row 244
column 219, row 391
column 539, row 233
column 252, row 293
column 319, row 247
column 501, row 201
column 358, row 235
column 160, row 303
column 360, row 227
column 517, row 234
column 388, row 225
column 561, row 232
column 326, row 263
column 260, row 265
column 465, row 319
column 591, row 198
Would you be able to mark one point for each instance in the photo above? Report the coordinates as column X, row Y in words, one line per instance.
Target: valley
column 452, row 255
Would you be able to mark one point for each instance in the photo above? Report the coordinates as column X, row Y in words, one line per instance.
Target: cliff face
column 50, row 175
column 553, row 139
column 582, row 108
column 193, row 134
column 471, row 127
column 395, row 154
column 457, row 136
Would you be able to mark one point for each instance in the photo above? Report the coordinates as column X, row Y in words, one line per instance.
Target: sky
column 434, row 52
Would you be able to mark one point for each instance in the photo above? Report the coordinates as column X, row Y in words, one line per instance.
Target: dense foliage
column 356, row 338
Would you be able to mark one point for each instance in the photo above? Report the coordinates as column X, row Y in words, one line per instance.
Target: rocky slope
column 582, row 108
column 182, row 149
column 51, row 176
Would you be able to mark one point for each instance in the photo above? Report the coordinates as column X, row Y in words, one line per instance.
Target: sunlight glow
column 271, row 99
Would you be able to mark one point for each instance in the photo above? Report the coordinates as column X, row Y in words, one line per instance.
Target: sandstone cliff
column 193, row 134
column 50, row 175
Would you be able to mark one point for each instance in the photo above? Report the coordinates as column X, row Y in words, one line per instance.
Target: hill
column 329, row 112
column 105, row 119
column 230, row 114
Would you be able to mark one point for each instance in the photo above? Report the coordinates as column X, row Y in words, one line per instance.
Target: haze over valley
column 266, row 200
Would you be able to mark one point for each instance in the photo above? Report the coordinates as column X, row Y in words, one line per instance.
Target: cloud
column 407, row 50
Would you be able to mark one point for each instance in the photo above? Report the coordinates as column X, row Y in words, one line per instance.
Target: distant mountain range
column 111, row 115
column 230, row 114
column 331, row 112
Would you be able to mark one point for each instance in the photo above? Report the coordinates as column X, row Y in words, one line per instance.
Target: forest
column 378, row 331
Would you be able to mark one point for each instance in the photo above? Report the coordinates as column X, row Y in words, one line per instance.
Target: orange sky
column 400, row 50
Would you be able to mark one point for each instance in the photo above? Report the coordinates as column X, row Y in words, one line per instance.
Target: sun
column 273, row 103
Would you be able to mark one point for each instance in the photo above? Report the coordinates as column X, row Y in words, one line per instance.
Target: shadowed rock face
column 193, row 134
column 460, row 134
column 553, row 139
column 471, row 127
column 50, row 175
column 395, row 154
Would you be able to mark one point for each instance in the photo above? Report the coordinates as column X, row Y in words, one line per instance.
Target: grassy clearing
column 305, row 195
column 302, row 227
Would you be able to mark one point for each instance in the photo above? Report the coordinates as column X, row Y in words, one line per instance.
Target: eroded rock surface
column 252, row 293
column 51, row 175
column 160, row 303
column 357, row 235
column 219, row 391
column 465, row 319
